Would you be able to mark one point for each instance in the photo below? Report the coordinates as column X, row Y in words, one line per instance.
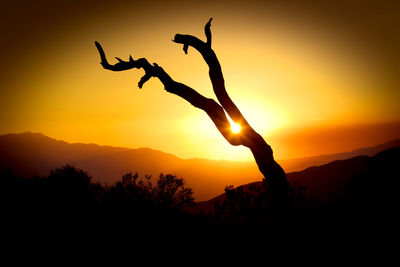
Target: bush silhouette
column 69, row 192
column 169, row 191
column 251, row 207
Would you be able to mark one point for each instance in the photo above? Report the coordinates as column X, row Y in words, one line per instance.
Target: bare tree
column 262, row 152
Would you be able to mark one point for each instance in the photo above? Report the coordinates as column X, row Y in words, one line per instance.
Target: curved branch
column 207, row 31
column 212, row 108
column 127, row 65
column 215, row 73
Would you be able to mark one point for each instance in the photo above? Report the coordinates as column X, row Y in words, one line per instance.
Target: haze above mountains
column 30, row 154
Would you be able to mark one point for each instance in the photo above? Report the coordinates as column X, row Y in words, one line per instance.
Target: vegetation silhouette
column 68, row 201
column 273, row 173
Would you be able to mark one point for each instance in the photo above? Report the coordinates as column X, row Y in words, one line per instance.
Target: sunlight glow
column 235, row 128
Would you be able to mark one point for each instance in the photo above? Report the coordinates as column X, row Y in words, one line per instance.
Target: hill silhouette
column 30, row 154
column 361, row 184
column 298, row 164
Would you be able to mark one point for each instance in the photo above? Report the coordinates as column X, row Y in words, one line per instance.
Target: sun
column 235, row 128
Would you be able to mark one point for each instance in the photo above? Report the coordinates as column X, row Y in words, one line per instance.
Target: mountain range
column 361, row 184
column 28, row 154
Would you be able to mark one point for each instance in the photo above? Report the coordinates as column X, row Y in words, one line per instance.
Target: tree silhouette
column 248, row 137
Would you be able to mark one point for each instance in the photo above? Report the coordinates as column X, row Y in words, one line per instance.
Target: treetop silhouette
column 273, row 173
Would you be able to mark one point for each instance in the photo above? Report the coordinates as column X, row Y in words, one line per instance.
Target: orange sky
column 312, row 79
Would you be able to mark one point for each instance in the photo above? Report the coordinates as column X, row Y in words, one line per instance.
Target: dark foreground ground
column 67, row 205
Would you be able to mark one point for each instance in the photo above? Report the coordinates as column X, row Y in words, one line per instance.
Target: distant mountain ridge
column 360, row 182
column 30, row 154
column 298, row 164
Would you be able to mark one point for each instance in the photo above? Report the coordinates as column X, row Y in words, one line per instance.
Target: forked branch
column 141, row 63
column 212, row 108
column 215, row 72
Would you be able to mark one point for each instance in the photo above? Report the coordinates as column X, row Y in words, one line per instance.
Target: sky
column 313, row 78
